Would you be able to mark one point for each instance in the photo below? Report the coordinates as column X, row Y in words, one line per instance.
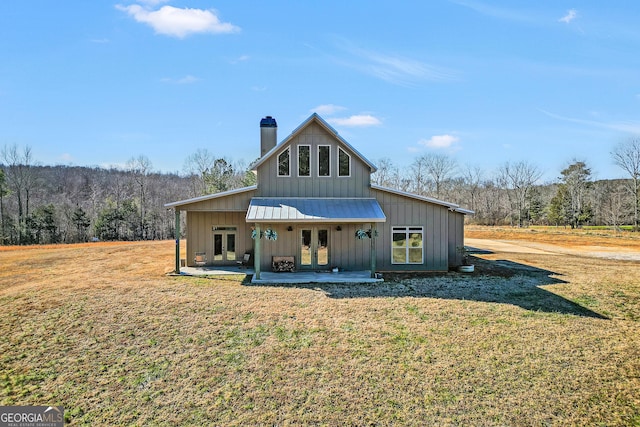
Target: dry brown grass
column 558, row 236
column 527, row 340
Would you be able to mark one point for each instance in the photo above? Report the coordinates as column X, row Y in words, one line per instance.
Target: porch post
column 256, row 254
column 372, row 252
column 177, row 241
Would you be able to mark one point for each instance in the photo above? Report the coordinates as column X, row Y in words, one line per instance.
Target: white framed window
column 304, row 160
column 407, row 245
column 284, row 162
column 324, row 160
column 344, row 163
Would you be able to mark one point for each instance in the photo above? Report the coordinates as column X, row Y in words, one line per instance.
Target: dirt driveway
column 524, row 247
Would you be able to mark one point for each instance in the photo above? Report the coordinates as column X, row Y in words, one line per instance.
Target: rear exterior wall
column 406, row 211
column 200, row 233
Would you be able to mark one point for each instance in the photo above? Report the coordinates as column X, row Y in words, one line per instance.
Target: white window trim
column 278, row 162
column 318, row 162
column 298, row 163
column 407, row 229
column 338, row 163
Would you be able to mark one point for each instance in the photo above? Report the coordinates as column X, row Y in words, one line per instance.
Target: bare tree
column 140, row 167
column 440, row 169
column 4, row 191
column 518, row 179
column 21, row 177
column 627, row 156
column 418, row 176
column 430, row 171
column 387, row 174
column 610, row 202
column 472, row 177
column 197, row 166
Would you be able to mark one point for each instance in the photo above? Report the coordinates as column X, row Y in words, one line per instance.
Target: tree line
column 65, row 204
column 513, row 194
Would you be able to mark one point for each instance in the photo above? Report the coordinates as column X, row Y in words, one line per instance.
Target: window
column 324, row 160
column 407, row 245
column 304, row 160
column 283, row 163
column 344, row 163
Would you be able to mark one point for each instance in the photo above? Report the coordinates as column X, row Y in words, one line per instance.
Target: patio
column 268, row 277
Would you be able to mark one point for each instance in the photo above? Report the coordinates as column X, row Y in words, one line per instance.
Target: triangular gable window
column 344, row 163
column 284, row 163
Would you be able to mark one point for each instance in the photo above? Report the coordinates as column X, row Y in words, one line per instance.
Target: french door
column 314, row 248
column 224, row 247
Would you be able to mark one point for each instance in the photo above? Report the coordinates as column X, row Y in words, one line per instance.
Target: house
column 314, row 208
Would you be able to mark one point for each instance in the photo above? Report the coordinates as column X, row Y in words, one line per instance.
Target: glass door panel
column 230, row 254
column 224, row 247
column 314, row 248
column 217, row 247
column 322, row 251
column 305, row 248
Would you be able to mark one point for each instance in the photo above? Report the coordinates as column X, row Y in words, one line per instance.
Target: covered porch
column 317, row 242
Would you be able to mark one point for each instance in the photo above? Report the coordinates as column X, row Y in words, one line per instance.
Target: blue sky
column 486, row 82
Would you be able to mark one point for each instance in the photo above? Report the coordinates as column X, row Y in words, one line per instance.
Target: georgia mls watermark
column 31, row 416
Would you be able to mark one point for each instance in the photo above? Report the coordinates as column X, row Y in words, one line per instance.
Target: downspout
column 372, row 252
column 256, row 255
column 177, row 270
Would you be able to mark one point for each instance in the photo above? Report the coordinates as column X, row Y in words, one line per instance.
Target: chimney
column 268, row 134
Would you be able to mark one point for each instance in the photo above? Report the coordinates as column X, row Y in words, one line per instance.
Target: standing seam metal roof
column 297, row 209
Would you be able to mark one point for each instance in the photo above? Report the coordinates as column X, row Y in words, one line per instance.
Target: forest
column 66, row 204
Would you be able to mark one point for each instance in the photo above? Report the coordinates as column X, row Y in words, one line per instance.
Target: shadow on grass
column 498, row 281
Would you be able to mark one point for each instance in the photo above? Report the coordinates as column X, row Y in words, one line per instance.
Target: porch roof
column 300, row 209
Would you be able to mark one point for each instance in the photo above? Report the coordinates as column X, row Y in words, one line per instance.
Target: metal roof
column 452, row 206
column 210, row 196
column 298, row 209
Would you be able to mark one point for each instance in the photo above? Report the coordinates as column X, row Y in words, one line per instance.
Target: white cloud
column 358, row 120
column 176, row 22
column 396, row 69
column 328, row 109
column 241, row 58
column 392, row 68
column 439, row 141
column 570, row 16
column 100, row 41
column 188, row 79
column 495, row 11
column 66, row 157
column 629, row 126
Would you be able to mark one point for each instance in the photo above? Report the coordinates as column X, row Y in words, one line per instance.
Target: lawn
column 526, row 340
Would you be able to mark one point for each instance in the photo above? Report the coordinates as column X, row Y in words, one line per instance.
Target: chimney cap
column 268, row 122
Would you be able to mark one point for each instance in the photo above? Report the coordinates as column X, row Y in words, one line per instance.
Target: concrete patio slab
column 268, row 277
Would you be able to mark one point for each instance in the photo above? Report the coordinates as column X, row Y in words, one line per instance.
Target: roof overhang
column 452, row 206
column 320, row 210
column 210, row 197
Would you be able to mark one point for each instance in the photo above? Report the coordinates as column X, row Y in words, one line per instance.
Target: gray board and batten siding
column 226, row 209
column 313, row 135
column 402, row 210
